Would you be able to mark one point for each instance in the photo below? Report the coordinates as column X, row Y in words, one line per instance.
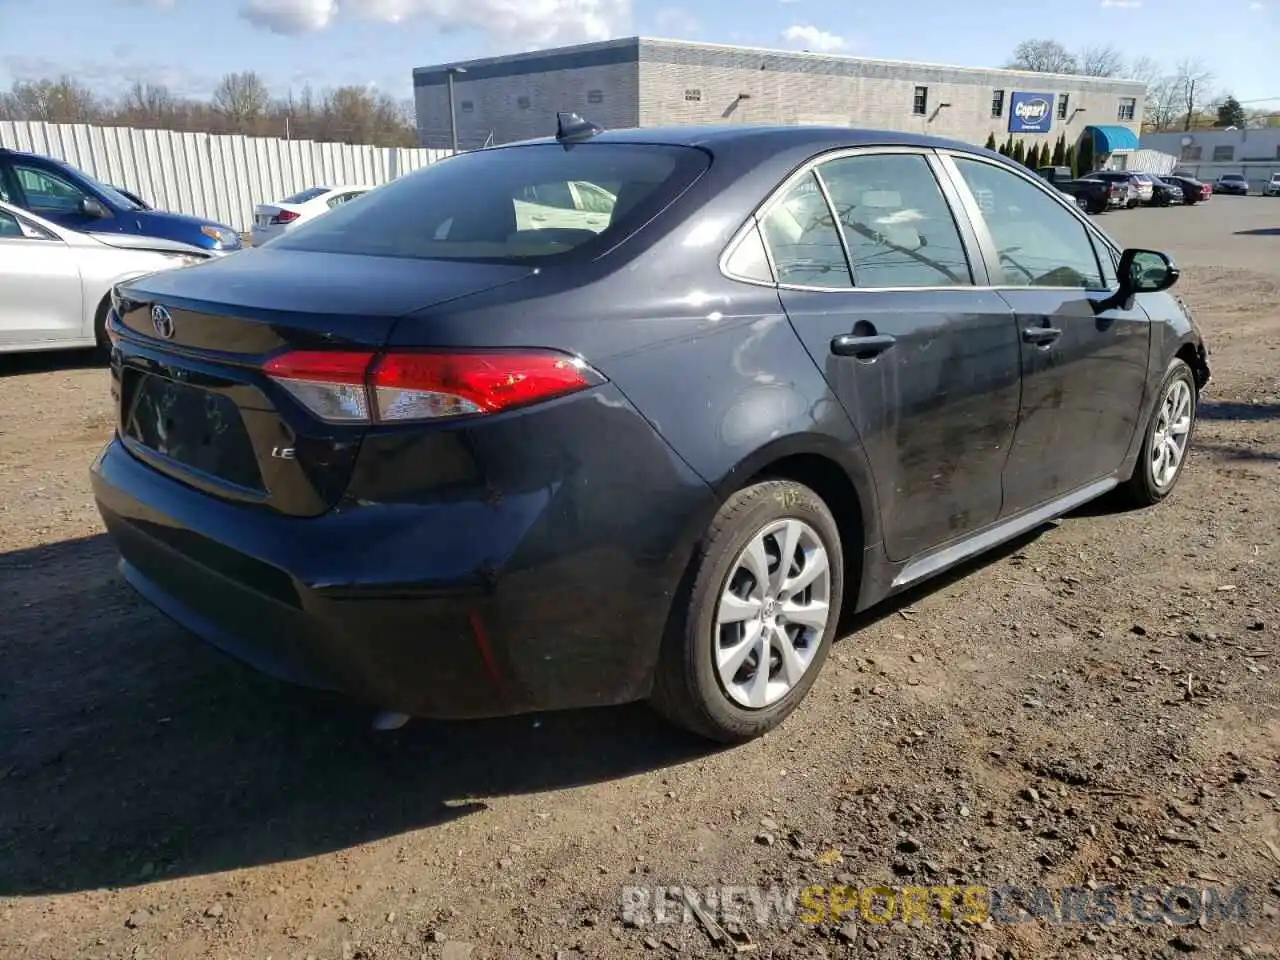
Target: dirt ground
column 1096, row 705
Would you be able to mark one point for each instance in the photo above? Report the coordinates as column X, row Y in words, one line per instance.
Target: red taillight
column 360, row 387
column 284, row 216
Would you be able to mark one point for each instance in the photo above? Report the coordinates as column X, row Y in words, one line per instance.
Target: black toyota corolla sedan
column 630, row 415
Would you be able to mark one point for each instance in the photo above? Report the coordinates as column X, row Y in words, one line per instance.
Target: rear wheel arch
column 830, row 481
column 835, row 470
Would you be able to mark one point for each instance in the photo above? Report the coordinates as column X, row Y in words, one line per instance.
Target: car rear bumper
column 260, row 235
column 392, row 605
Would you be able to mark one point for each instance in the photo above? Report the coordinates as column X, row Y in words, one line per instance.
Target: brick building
column 639, row 81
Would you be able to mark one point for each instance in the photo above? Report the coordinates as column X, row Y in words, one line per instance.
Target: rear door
column 889, row 298
column 40, row 290
column 1083, row 355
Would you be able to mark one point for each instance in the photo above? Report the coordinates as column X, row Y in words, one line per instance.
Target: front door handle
column 862, row 348
column 1041, row 336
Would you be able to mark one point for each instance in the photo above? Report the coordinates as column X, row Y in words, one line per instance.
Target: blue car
column 71, row 198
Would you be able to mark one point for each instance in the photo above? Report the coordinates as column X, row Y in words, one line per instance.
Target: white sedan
column 272, row 219
column 55, row 283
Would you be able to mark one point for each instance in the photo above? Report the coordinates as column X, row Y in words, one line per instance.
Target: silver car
column 55, row 283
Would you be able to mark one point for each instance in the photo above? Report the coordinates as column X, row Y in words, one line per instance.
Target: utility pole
column 450, row 72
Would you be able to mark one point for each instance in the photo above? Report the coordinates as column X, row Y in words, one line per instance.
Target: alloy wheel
column 772, row 613
column 1172, row 431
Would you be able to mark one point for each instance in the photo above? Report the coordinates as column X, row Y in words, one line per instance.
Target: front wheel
column 758, row 617
column 1164, row 448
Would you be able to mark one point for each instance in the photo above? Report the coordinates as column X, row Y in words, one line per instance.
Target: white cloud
column 529, row 23
column 1257, row 7
column 674, row 20
column 290, row 16
column 1122, row 4
column 811, row 38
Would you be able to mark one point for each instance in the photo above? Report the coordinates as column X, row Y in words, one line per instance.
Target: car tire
column 706, row 680
column 1175, row 407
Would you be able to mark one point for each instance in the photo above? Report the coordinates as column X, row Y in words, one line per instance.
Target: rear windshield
column 510, row 204
column 305, row 195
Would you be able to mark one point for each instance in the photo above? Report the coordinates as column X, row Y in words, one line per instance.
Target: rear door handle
column 863, row 348
column 1041, row 336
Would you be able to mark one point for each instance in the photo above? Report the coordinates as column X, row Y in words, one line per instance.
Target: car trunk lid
column 194, row 400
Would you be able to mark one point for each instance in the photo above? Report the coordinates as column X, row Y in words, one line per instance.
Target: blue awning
column 1108, row 138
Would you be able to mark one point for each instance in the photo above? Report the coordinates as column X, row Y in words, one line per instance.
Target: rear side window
column 896, row 222
column 802, row 238
column 305, row 195
column 511, row 204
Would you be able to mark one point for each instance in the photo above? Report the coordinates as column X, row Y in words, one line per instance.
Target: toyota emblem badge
column 162, row 321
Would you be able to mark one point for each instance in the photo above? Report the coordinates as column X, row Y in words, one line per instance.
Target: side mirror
column 1146, row 271
column 94, row 208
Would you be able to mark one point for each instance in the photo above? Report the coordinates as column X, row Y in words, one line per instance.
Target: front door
column 57, row 199
column 40, row 293
column 924, row 361
column 1084, row 356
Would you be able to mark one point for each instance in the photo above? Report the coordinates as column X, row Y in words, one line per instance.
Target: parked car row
column 66, row 239
column 1104, row 190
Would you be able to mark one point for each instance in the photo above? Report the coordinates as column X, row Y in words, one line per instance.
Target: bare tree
column 1101, row 61
column 1192, row 78
column 64, row 100
column 1146, row 69
column 242, row 98
column 148, row 105
column 1044, row 56
column 1163, row 103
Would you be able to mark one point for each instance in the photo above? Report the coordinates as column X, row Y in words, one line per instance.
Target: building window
column 1193, row 154
column 595, row 96
column 467, row 106
column 1224, row 154
column 1127, row 108
column 522, row 103
column 1063, row 101
column 920, row 102
column 693, row 96
column 997, row 103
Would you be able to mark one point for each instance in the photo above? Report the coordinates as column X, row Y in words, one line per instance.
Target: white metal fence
column 209, row 175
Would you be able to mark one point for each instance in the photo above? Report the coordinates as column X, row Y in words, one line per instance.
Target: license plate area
column 196, row 428
column 263, row 220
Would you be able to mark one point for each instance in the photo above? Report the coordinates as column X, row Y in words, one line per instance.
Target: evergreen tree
column 1069, row 159
column 1007, row 147
column 1059, row 151
column 1019, row 153
column 991, row 141
column 1045, row 155
column 1084, row 156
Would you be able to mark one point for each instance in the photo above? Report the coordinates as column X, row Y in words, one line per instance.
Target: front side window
column 802, row 239
column 16, row 228
column 896, row 222
column 1127, row 108
column 920, row 101
column 509, row 204
column 47, row 192
column 1038, row 241
column 10, row 229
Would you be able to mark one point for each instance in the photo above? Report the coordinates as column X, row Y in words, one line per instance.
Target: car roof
column 765, row 139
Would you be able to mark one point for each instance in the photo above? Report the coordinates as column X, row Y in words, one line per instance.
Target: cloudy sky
column 188, row 44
